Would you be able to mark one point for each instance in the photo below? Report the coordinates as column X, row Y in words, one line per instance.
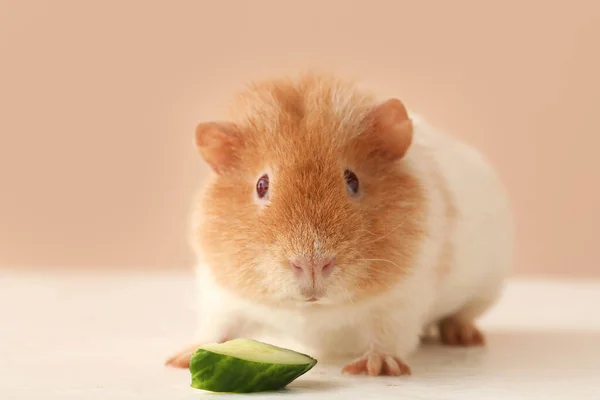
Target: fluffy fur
column 427, row 241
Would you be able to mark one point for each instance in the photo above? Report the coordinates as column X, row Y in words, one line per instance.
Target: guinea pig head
column 310, row 203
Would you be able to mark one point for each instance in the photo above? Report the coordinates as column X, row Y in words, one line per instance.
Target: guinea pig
column 344, row 223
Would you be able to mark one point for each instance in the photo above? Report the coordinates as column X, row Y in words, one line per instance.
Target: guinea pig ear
column 218, row 144
column 392, row 128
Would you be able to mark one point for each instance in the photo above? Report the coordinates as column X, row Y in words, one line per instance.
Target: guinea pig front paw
column 182, row 358
column 454, row 332
column 376, row 363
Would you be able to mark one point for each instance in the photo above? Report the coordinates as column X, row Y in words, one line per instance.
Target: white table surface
column 86, row 336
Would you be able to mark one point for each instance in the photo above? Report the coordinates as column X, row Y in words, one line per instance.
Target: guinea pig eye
column 351, row 181
column 262, row 186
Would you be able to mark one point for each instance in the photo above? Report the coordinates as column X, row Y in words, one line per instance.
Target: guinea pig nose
column 311, row 268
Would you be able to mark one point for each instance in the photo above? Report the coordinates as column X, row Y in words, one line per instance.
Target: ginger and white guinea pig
column 345, row 224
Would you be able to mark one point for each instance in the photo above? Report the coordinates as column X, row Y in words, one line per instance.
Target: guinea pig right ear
column 218, row 144
column 392, row 129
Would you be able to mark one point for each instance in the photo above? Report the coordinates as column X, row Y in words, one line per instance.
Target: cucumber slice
column 246, row 366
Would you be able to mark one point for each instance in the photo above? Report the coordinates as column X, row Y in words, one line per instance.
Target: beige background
column 99, row 100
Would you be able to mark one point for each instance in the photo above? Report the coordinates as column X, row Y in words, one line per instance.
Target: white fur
column 392, row 322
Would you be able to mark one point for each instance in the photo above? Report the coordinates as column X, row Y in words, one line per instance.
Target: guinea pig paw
column 460, row 333
column 182, row 358
column 377, row 364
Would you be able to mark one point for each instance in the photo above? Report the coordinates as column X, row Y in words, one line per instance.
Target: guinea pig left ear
column 218, row 144
column 391, row 129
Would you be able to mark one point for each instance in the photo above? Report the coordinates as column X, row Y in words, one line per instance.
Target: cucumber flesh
column 254, row 351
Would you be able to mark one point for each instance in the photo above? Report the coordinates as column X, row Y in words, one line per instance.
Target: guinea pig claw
column 459, row 333
column 376, row 363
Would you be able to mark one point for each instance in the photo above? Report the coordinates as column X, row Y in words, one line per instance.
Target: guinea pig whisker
column 384, row 260
column 367, row 231
column 385, row 235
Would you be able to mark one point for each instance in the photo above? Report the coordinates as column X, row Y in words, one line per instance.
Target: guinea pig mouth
column 312, row 295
